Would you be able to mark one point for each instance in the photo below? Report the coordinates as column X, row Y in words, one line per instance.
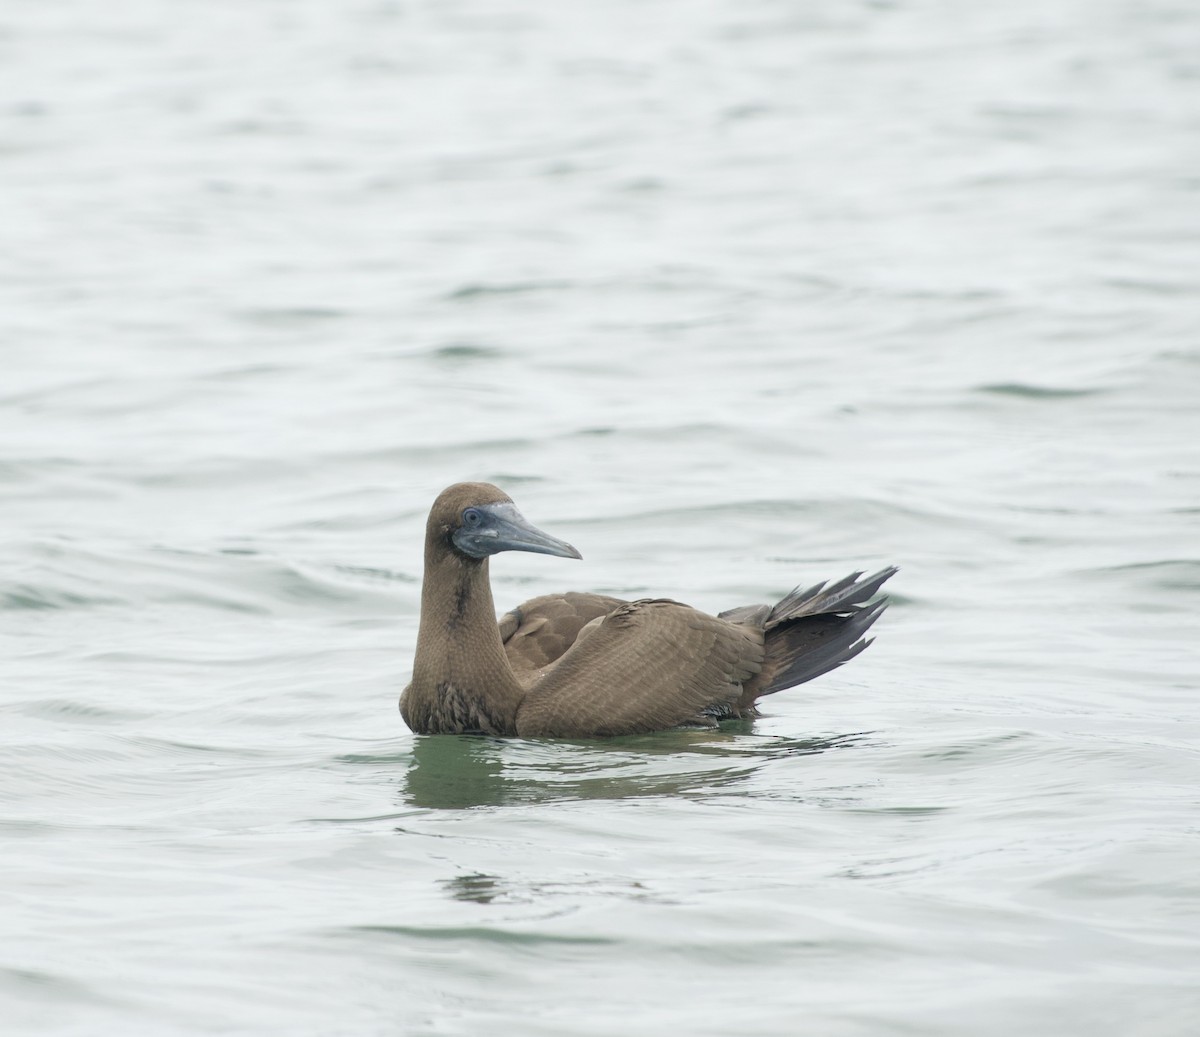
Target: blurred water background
column 732, row 296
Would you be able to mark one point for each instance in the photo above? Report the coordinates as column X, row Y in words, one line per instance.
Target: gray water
column 732, row 296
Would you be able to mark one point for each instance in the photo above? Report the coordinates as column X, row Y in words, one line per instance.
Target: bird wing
column 538, row 632
column 644, row 666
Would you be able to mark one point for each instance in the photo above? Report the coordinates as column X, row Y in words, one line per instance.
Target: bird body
column 578, row 665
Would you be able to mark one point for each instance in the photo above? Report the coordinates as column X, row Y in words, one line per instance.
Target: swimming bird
column 579, row 665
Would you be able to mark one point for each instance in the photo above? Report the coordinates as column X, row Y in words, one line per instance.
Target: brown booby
column 587, row 665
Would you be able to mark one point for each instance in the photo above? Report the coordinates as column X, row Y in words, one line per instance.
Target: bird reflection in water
column 455, row 772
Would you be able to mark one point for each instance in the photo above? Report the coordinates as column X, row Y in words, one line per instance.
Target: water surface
column 732, row 297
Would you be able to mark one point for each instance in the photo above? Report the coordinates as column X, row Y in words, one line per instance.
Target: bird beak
column 506, row 529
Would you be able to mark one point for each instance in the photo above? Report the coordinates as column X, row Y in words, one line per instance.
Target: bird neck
column 462, row 680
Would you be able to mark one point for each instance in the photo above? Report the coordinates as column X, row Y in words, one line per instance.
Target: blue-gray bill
column 488, row 529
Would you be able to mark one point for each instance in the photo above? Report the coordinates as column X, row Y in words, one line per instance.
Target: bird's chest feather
column 454, row 708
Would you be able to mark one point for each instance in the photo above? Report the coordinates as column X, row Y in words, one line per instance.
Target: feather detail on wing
column 538, row 632
column 644, row 666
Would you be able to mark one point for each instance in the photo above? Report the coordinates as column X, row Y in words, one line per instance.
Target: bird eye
column 471, row 517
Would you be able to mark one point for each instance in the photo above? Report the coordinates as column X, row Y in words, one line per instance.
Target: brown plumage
column 585, row 665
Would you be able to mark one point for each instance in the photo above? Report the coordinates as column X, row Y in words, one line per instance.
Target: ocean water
column 732, row 296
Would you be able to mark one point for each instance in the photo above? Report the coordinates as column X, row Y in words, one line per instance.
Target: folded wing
column 643, row 666
column 538, row 632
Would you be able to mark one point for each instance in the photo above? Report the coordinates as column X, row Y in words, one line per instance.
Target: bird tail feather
column 814, row 630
